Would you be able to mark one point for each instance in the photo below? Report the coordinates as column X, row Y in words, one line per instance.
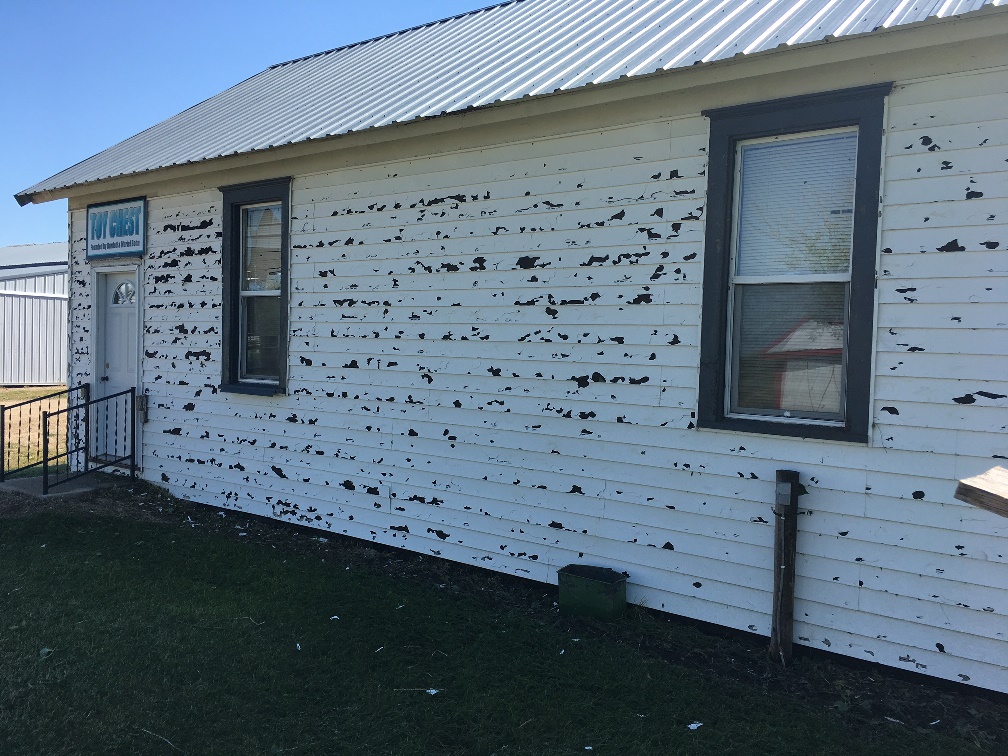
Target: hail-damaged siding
column 493, row 359
column 81, row 303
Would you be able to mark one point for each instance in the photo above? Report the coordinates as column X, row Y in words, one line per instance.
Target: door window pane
column 788, row 349
column 796, row 205
column 124, row 294
column 261, row 320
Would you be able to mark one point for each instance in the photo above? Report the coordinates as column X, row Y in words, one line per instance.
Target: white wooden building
column 499, row 289
column 33, row 314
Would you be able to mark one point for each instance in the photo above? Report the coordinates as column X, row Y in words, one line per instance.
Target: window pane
column 124, row 294
column 261, row 248
column 796, row 205
column 788, row 349
column 261, row 335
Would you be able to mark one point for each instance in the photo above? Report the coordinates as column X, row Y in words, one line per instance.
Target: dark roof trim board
column 502, row 53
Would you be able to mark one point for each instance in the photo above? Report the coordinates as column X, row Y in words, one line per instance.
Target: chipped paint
column 493, row 359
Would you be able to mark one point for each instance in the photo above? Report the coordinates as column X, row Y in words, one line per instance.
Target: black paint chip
column 952, row 246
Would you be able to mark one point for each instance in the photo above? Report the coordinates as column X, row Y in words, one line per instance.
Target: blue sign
column 117, row 229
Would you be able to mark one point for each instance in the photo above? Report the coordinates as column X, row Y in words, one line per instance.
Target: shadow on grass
column 140, row 624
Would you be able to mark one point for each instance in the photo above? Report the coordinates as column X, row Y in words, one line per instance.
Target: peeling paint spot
column 952, row 246
column 989, row 395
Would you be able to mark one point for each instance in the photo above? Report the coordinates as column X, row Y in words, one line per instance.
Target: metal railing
column 100, row 433
column 22, row 439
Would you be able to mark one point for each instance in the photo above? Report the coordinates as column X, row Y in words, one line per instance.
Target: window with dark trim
column 255, row 261
column 789, row 267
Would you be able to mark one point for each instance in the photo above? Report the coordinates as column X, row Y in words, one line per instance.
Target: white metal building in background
column 567, row 281
column 33, row 314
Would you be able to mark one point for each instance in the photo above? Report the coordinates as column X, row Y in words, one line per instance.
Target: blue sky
column 77, row 77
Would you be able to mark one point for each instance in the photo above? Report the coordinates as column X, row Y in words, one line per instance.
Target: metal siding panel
column 33, row 344
column 501, row 53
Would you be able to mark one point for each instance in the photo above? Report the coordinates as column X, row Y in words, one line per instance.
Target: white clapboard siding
column 493, row 359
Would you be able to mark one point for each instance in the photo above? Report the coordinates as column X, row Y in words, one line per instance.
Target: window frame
column 237, row 197
column 861, row 107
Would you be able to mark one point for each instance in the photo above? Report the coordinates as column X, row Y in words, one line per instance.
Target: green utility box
column 589, row 591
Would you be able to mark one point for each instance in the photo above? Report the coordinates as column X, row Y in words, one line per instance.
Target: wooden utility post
column 785, row 552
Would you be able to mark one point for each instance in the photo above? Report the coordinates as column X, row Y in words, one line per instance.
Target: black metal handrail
column 21, row 428
column 100, row 433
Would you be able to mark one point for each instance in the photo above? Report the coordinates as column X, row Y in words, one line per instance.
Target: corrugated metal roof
column 502, row 53
column 29, row 255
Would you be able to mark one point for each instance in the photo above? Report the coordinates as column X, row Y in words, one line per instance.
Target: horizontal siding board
column 902, row 361
column 963, row 88
column 988, row 419
column 943, row 390
column 964, row 646
column 958, row 291
column 973, row 263
column 952, row 161
column 927, row 141
column 943, row 599
column 619, row 147
column 934, row 216
column 936, row 190
column 598, row 176
column 903, row 655
column 914, row 315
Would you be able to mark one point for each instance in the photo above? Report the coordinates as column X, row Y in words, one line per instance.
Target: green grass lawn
column 164, row 628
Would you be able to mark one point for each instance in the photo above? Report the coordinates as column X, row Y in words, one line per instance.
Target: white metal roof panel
column 501, row 53
column 28, row 255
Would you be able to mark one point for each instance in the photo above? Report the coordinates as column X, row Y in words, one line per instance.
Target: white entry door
column 117, row 369
column 113, row 424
